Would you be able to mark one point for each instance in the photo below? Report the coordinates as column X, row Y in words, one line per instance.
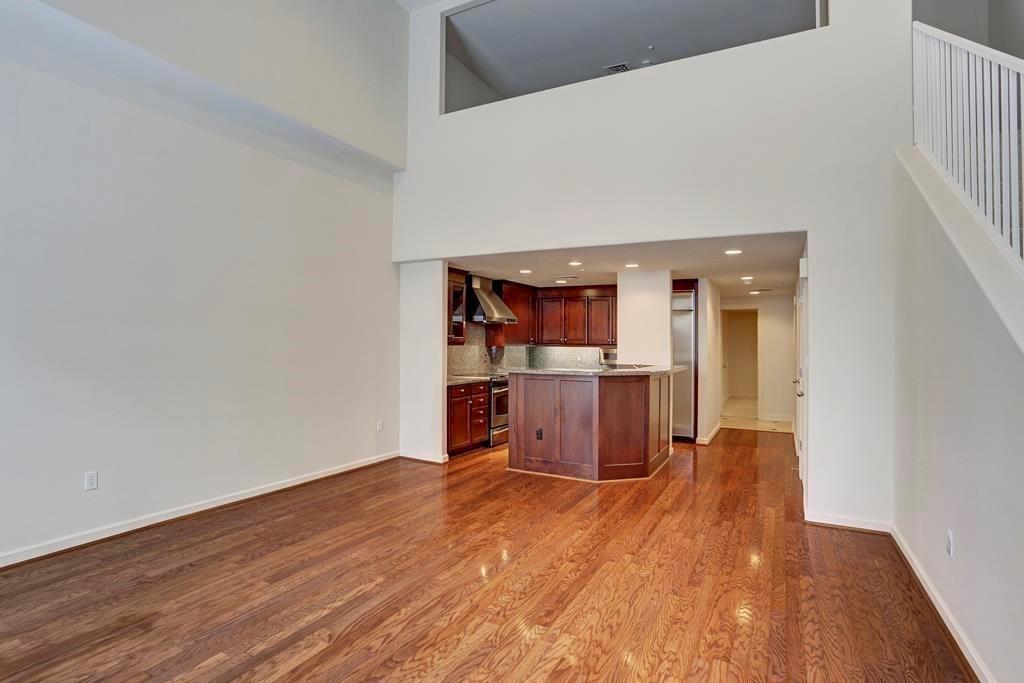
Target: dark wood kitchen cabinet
column 456, row 307
column 595, row 427
column 469, row 416
column 519, row 298
column 575, row 321
column 576, row 316
column 551, row 321
column 601, row 320
column 458, row 424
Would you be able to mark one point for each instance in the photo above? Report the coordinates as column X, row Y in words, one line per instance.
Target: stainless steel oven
column 499, row 410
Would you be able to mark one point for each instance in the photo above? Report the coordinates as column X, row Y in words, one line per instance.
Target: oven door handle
column 499, row 392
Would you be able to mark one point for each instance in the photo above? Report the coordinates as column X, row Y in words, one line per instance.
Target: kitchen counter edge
column 653, row 371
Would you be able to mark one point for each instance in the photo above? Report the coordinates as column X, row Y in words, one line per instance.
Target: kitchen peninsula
column 600, row 425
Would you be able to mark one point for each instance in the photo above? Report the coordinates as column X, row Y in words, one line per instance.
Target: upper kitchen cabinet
column 575, row 321
column 601, row 320
column 551, row 321
column 520, row 298
column 576, row 316
column 456, row 307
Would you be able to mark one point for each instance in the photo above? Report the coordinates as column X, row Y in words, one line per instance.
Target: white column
column 645, row 317
column 423, row 360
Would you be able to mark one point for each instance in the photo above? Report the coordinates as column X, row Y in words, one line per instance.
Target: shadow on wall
column 998, row 24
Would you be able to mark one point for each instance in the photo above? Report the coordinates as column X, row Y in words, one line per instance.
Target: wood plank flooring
column 408, row 571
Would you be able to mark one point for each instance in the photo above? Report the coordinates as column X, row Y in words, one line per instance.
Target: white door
column 802, row 380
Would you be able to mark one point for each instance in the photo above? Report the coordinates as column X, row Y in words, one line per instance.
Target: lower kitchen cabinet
column 469, row 417
column 458, row 424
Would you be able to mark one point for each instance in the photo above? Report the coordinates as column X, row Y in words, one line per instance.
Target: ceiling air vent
column 617, row 68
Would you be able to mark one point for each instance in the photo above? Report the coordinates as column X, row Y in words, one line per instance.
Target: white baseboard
column 848, row 522
column 424, row 457
column 714, row 433
column 973, row 658
column 81, row 538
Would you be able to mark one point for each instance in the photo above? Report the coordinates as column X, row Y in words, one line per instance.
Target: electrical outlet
column 380, row 425
column 92, row 481
column 949, row 542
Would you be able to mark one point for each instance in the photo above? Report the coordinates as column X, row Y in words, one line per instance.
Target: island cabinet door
column 624, row 412
column 553, row 425
column 538, row 424
column 576, row 427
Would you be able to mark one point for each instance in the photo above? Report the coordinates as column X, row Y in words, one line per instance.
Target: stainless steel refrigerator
column 683, row 332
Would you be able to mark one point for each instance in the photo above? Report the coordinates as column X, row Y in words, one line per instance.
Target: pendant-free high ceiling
column 523, row 46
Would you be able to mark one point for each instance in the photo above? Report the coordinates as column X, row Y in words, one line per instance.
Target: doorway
column 758, row 364
column 739, row 364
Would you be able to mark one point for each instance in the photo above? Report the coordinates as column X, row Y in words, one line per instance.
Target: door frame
column 802, row 379
column 682, row 287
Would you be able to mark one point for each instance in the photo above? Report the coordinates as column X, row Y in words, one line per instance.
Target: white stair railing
column 967, row 106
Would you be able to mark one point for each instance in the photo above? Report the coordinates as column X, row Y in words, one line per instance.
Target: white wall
column 463, row 88
column 739, row 341
column 709, row 353
column 733, row 142
column 959, row 374
column 337, row 65
column 190, row 316
column 1006, row 26
column 776, row 353
column 423, row 360
column 644, row 314
column 967, row 18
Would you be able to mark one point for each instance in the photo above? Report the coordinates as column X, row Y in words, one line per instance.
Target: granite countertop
column 456, row 380
column 652, row 370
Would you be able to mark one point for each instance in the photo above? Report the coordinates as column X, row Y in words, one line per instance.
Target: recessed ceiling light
column 733, row 252
column 755, row 293
column 632, row 265
column 561, row 282
column 575, row 263
column 747, row 277
column 525, row 271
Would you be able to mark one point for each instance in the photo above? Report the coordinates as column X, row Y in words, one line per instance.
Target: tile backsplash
column 471, row 358
column 474, row 358
column 566, row 357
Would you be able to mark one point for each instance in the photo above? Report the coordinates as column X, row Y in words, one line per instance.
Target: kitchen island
column 599, row 425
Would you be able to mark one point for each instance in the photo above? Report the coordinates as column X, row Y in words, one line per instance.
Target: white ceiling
column 524, row 46
column 773, row 260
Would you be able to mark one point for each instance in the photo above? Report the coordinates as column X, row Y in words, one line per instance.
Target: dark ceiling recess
column 507, row 48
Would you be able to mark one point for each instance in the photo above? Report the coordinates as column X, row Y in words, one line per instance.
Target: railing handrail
column 968, row 121
column 991, row 54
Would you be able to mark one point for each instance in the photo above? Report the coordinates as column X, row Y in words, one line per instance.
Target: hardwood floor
column 409, row 571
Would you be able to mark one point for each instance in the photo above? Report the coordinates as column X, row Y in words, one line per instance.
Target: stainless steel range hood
column 489, row 307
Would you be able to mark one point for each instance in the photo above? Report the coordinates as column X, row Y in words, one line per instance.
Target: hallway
column 741, row 413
